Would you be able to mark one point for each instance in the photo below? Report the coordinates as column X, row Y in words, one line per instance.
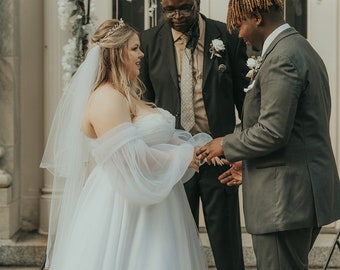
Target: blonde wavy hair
column 112, row 36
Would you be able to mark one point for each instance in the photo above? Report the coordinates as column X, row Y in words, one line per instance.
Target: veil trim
column 66, row 153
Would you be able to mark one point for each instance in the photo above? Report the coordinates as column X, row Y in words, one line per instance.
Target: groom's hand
column 210, row 150
column 233, row 176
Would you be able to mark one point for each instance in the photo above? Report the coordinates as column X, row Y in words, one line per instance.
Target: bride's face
column 133, row 56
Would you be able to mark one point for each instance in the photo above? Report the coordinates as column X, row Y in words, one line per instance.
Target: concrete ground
column 36, row 268
column 29, row 249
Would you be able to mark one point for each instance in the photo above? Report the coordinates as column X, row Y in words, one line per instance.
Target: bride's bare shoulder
column 106, row 108
column 107, row 93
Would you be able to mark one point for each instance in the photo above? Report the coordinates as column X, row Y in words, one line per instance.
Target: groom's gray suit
column 290, row 179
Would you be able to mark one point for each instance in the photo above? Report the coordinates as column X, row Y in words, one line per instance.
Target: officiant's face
column 180, row 14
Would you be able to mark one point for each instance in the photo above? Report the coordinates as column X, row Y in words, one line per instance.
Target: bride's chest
column 155, row 128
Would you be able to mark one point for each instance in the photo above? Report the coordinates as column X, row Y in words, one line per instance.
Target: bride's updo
column 112, row 36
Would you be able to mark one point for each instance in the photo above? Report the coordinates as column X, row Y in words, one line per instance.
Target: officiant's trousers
column 221, row 213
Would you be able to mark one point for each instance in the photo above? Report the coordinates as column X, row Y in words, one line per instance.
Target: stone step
column 210, row 268
column 25, row 251
column 19, row 268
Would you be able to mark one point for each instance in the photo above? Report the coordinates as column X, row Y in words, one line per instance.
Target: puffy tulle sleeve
column 142, row 173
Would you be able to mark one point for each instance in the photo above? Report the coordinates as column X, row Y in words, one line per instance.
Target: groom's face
column 250, row 32
column 180, row 14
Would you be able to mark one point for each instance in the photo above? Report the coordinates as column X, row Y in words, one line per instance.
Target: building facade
column 31, row 83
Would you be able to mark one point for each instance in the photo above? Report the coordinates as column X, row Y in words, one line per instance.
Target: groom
column 290, row 181
column 218, row 69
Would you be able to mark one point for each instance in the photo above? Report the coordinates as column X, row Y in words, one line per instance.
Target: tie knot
column 184, row 36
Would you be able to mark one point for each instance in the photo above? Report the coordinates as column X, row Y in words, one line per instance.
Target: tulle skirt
column 110, row 233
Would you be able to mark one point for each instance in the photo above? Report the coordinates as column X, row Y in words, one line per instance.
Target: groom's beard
column 255, row 49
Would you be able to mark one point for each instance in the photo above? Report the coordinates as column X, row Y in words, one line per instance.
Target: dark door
column 138, row 13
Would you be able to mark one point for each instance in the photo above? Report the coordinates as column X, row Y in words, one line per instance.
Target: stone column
column 31, row 111
column 54, row 41
column 9, row 112
column 324, row 35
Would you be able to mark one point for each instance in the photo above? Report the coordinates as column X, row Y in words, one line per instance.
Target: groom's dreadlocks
column 238, row 10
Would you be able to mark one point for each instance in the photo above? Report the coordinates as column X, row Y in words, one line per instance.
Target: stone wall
column 9, row 110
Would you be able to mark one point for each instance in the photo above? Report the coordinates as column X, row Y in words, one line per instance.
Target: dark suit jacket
column 290, row 179
column 221, row 89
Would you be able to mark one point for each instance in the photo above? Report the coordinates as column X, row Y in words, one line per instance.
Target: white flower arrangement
column 73, row 14
column 253, row 63
column 216, row 47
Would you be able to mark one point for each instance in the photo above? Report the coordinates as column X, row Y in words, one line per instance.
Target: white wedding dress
column 133, row 213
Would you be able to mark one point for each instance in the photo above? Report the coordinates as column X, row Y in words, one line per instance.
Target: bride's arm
column 141, row 173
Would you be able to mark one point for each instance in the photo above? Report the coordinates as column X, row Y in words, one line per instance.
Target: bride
column 119, row 165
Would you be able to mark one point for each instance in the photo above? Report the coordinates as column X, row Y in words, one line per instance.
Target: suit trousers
column 221, row 214
column 285, row 250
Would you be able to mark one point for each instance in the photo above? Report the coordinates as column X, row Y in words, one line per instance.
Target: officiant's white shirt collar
column 272, row 36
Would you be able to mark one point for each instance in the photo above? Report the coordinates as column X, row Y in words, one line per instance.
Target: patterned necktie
column 187, row 106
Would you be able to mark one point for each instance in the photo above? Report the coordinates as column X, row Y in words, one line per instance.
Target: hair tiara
column 115, row 27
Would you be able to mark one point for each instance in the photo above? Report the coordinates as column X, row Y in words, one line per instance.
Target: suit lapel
column 285, row 33
column 211, row 32
column 168, row 52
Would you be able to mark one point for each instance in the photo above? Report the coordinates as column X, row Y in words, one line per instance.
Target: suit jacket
column 290, row 175
column 222, row 89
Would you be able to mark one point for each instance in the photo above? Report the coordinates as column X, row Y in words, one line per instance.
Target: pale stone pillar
column 324, row 35
column 54, row 41
column 103, row 10
column 31, row 111
column 9, row 128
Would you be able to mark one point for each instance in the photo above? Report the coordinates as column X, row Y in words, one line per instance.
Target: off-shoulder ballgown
column 133, row 213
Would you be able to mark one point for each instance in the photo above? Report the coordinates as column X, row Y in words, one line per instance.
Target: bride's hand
column 195, row 163
column 215, row 161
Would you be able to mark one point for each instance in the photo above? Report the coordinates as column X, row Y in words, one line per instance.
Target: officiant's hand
column 210, row 150
column 233, row 176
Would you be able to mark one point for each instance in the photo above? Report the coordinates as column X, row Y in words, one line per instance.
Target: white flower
column 72, row 16
column 253, row 63
column 216, row 47
column 65, row 9
column 89, row 28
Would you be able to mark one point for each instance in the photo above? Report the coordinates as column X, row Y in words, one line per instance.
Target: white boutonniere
column 254, row 64
column 216, row 47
